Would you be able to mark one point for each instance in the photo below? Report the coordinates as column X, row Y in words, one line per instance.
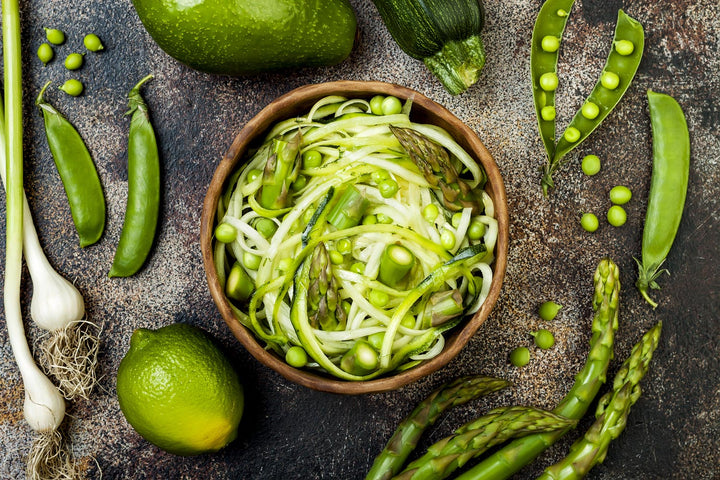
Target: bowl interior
column 424, row 110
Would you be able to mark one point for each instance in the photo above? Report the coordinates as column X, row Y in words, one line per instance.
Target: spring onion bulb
column 354, row 270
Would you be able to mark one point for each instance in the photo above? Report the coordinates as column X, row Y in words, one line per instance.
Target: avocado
column 236, row 37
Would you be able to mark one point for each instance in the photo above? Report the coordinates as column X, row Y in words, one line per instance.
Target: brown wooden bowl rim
column 295, row 102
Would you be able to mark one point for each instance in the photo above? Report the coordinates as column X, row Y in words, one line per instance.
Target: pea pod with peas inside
column 77, row 172
column 668, row 187
column 143, row 202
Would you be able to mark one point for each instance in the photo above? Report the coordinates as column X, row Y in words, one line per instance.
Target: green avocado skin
column 237, row 37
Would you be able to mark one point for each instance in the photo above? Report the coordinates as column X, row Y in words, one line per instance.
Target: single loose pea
column 253, row 175
column 358, row 267
column 391, row 106
column 376, row 340
column 345, row 306
column 383, row 219
column 225, row 233
column 54, row 36
column 369, row 220
column 92, row 42
column 590, row 110
column 430, row 212
column 616, row 216
column 549, row 310
column 299, row 183
column 447, row 239
column 296, row 357
column 45, row 53
column 388, row 188
column 572, row 134
column 476, row 230
column 543, row 338
column 251, row 260
column 379, row 175
column 74, row 61
column 520, row 356
column 589, row 222
column 336, row 257
column 550, row 43
column 548, row 81
column 455, row 221
column 620, row 195
column 610, row 80
column 590, row 165
column 312, row 159
column 624, row 47
column 344, row 246
column 408, row 321
column 265, row 227
column 376, row 104
column 378, row 298
column 548, row 113
column 285, row 264
column 72, row 87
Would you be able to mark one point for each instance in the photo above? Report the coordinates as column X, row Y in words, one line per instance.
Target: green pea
column 520, row 356
column 391, row 106
column 408, row 321
column 376, row 340
column 299, row 183
column 345, row 306
column 378, row 298
column 548, row 113
column 55, row 36
column 548, row 81
column 312, row 159
column 251, row 261
column 336, row 257
column 285, row 265
column 589, row 222
column 620, row 195
column 543, row 338
column 344, row 246
column 550, row 43
column 265, row 227
column 376, row 104
column 92, row 42
column 624, row 47
column 476, row 230
column 455, row 220
column 383, row 219
column 388, row 188
column 72, row 87
column 610, row 80
column 616, row 216
column 74, row 61
column 45, row 53
column 590, row 165
column 590, row 110
column 253, row 175
column 369, row 220
column 358, row 267
column 296, row 357
column 549, row 310
column 380, row 175
column 225, row 233
column 572, row 134
column 447, row 239
column 430, row 212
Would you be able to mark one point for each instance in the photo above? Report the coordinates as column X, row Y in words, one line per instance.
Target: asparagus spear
column 476, row 437
column 349, row 209
column 395, row 263
column 434, row 163
column 281, row 169
column 407, row 434
column 505, row 462
column 611, row 415
column 324, row 308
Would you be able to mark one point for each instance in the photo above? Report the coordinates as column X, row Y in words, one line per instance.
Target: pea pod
column 668, row 187
column 143, row 202
column 77, row 172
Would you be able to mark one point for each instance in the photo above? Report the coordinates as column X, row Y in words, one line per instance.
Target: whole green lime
column 178, row 391
column 236, row 37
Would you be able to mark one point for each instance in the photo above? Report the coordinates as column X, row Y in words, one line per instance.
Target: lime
column 179, row 391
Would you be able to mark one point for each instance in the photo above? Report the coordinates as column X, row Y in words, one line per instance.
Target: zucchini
column 445, row 35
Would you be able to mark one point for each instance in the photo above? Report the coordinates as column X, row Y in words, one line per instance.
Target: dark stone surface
column 290, row 432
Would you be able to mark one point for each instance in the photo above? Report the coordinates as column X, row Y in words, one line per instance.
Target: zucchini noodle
column 358, row 237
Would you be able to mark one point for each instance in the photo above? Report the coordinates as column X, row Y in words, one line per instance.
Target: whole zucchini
column 443, row 34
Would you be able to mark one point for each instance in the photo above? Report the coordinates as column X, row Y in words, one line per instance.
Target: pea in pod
column 77, row 172
column 143, row 202
column 668, row 187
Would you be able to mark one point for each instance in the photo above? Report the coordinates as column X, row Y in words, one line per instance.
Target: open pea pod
column 620, row 68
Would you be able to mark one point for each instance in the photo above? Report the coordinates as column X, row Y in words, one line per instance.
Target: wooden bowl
column 424, row 110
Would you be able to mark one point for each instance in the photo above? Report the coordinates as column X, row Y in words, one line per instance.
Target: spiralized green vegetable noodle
column 334, row 234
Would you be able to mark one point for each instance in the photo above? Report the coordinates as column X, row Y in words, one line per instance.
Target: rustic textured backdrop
column 290, row 432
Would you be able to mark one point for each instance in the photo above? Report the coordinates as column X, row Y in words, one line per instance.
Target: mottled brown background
column 290, row 432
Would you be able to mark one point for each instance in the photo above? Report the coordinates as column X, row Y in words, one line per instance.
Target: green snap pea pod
column 143, row 202
column 668, row 187
column 614, row 81
column 546, row 36
column 77, row 172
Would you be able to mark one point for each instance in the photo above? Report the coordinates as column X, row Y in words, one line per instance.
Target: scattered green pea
column 296, row 357
column 72, row 87
column 572, row 134
column 408, row 321
column 590, row 110
column 358, row 267
column 346, row 306
column 620, row 195
column 379, row 175
column 299, row 183
column 610, row 80
column 616, row 216
column 378, row 298
column 336, row 257
column 45, row 53
column 548, row 81
column 344, row 246
column 251, row 261
column 265, row 227
column 455, row 220
column 550, row 43
column 624, row 47
column 74, row 61
column 225, row 233
column 312, row 159
column 54, row 36
column 376, row 340
column 476, row 230
column 589, row 222
column 549, row 310
column 376, row 104
column 369, row 220
column 447, row 239
column 92, row 42
column 430, row 212
column 590, row 165
column 548, row 113
column 383, row 219
column 285, row 265
column 520, row 356
column 388, row 188
column 391, row 106
column 253, row 175
column 543, row 338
